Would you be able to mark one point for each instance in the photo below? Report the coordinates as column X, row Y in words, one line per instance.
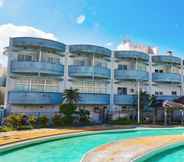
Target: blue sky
column 102, row 22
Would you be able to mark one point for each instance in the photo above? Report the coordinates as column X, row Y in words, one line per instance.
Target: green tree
column 71, row 96
column 152, row 103
column 144, row 97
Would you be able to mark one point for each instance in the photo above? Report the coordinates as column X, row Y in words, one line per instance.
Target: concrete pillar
column 66, row 57
column 150, row 75
column 182, row 81
column 112, row 83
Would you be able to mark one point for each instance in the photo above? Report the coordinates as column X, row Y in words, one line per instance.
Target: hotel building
column 39, row 70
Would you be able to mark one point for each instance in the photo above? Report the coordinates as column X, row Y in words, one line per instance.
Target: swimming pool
column 171, row 153
column 74, row 148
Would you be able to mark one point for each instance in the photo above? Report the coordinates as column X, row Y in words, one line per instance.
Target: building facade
column 39, row 70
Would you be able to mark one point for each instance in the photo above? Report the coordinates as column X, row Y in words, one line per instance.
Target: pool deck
column 129, row 150
column 19, row 136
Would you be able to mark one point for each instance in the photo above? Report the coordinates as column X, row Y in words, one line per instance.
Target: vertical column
column 9, row 83
column 93, row 66
column 66, row 67
column 138, row 102
column 112, row 82
column 182, row 81
column 150, row 74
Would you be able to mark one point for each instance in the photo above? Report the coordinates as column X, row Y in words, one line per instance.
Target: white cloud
column 109, row 44
column 120, row 46
column 11, row 30
column 2, row 3
column 80, row 19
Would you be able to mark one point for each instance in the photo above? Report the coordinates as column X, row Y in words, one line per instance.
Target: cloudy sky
column 100, row 22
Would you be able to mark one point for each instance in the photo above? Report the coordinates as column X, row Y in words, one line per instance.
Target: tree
column 71, row 96
column 68, row 109
column 152, row 103
column 143, row 102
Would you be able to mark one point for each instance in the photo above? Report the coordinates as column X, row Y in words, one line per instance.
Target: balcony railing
column 89, row 71
column 166, row 77
column 29, row 67
column 131, row 75
column 125, row 99
column 34, row 98
column 94, row 99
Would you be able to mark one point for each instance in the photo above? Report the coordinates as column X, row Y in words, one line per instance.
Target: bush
column 123, row 121
column 83, row 116
column 43, row 121
column 6, row 129
column 68, row 110
column 32, row 120
column 57, row 120
column 14, row 121
column 25, row 127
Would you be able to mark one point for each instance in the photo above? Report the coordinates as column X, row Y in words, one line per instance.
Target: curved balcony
column 89, row 50
column 89, row 71
column 28, row 67
column 37, row 43
column 34, row 98
column 2, row 81
column 125, row 99
column 166, row 59
column 130, row 75
column 166, row 97
column 166, row 77
column 94, row 99
column 131, row 55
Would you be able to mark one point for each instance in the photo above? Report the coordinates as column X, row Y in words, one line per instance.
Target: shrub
column 123, row 121
column 57, row 120
column 68, row 110
column 43, row 121
column 14, row 121
column 83, row 116
column 6, row 129
column 33, row 120
column 25, row 127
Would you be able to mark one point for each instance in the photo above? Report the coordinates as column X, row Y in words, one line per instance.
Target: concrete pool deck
column 19, row 136
column 129, row 150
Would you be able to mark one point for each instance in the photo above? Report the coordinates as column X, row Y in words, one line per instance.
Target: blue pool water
column 170, row 155
column 73, row 149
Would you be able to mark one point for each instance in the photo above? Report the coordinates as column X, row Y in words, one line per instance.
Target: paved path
column 128, row 150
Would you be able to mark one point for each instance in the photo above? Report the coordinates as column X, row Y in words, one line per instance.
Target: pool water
column 170, row 155
column 73, row 149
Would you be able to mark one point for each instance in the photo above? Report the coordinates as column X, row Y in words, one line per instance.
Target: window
column 132, row 90
column 122, row 91
column 90, row 86
column 156, row 70
column 122, row 67
column 161, row 93
column 156, row 93
column 24, row 58
column 37, row 85
column 174, row 93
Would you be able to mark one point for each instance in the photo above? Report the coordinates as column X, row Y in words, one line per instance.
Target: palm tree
column 143, row 101
column 71, row 96
column 152, row 103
